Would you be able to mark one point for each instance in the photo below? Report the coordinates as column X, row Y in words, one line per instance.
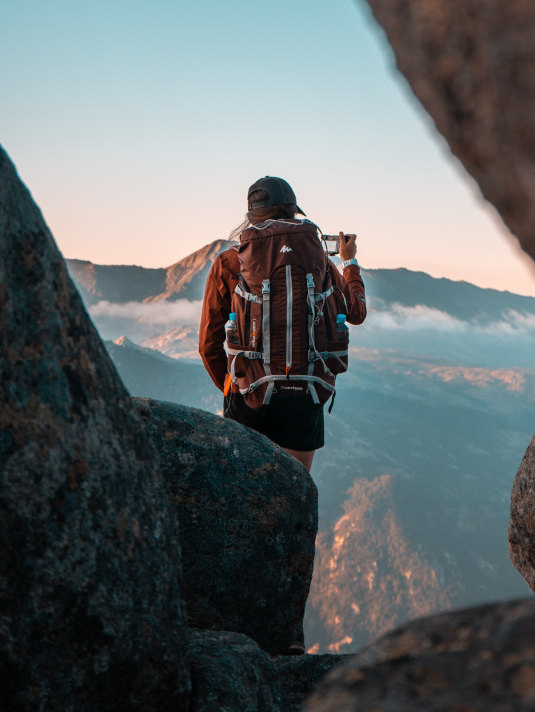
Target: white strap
column 299, row 377
column 323, row 295
column 247, row 295
column 313, row 392
column 246, row 354
column 266, row 320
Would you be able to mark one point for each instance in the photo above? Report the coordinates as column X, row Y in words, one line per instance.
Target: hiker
column 275, row 282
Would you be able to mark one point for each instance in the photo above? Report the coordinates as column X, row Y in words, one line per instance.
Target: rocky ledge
column 248, row 522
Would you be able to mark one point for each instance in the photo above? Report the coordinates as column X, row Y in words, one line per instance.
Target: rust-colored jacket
column 220, row 285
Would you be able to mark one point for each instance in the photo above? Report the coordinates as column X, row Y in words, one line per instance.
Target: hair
column 258, row 215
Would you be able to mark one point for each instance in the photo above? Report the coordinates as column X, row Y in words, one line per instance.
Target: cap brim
column 298, row 210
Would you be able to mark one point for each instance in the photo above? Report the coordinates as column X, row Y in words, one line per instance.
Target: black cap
column 278, row 190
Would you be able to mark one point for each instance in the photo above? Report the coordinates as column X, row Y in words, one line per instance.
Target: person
column 295, row 423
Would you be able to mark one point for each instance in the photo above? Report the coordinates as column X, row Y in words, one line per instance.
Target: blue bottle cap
column 340, row 318
column 232, row 316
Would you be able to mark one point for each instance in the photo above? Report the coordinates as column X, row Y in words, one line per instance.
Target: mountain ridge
column 185, row 279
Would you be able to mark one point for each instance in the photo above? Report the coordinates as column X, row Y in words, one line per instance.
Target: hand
column 348, row 246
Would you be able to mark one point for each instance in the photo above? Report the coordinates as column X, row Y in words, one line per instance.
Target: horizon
column 153, row 121
column 363, row 267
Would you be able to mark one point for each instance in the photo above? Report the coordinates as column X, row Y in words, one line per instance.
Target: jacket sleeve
column 215, row 311
column 352, row 286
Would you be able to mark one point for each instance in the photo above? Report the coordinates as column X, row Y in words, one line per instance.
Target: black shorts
column 292, row 422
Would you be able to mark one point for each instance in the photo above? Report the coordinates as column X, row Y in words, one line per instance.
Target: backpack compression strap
column 265, row 356
column 266, row 336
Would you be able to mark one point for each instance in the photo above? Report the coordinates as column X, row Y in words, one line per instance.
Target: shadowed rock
column 230, row 673
column 522, row 522
column 475, row 660
column 91, row 615
column 472, row 65
column 300, row 675
column 248, row 521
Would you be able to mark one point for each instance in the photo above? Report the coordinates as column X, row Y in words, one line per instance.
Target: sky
column 138, row 127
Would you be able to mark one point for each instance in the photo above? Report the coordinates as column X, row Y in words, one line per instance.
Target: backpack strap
column 297, row 377
column 266, row 336
column 314, row 313
column 289, row 318
column 239, row 289
column 330, row 354
column 245, row 354
column 322, row 296
column 266, row 320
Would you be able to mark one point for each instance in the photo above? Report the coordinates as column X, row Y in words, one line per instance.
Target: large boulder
column 522, row 521
column 472, row 65
column 248, row 522
column 90, row 613
column 300, row 675
column 230, row 673
column 475, row 660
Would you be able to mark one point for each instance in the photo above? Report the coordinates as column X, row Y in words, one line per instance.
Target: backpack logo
column 285, row 248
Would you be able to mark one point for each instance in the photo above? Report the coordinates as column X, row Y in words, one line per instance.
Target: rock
column 475, row 660
column 522, row 521
column 300, row 675
column 248, row 521
column 472, row 65
column 91, row 615
column 230, row 673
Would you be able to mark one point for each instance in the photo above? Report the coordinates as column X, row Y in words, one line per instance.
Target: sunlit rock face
column 371, row 577
column 522, row 523
column 248, row 522
column 477, row 660
column 91, row 615
column 472, row 65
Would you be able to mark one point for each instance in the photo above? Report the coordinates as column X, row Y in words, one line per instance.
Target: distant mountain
column 385, row 287
column 414, row 485
column 409, row 312
column 146, row 372
column 428, row 429
column 129, row 283
column 461, row 300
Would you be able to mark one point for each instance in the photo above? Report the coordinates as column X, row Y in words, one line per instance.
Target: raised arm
column 351, row 281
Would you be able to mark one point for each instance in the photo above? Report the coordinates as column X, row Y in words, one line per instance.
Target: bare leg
column 305, row 457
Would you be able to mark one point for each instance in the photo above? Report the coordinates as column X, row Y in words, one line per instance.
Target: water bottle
column 231, row 329
column 342, row 329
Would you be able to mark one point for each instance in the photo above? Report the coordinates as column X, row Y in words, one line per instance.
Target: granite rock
column 248, row 522
column 91, row 615
column 474, row 660
column 522, row 520
column 472, row 66
column 299, row 675
column 231, row 673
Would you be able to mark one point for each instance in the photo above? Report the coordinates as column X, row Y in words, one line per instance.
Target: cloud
column 514, row 324
column 419, row 317
column 423, row 318
column 161, row 314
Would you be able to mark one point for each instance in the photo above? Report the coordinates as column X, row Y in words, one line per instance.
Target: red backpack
column 286, row 307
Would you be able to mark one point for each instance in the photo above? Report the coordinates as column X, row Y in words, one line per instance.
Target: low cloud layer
column 164, row 314
column 422, row 318
column 419, row 330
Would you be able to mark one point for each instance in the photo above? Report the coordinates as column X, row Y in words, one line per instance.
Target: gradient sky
column 138, row 127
